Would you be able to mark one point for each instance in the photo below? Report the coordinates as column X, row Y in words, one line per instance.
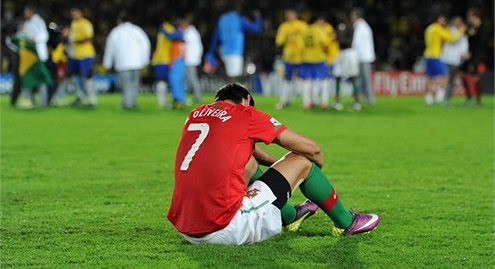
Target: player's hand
column 257, row 13
column 466, row 56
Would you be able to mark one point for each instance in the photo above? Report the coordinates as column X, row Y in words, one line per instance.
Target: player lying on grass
column 213, row 201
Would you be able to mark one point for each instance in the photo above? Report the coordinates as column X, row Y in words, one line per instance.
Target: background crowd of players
column 317, row 58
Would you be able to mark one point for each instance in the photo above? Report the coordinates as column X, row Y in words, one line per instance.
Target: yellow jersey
column 81, row 30
column 163, row 46
column 332, row 46
column 290, row 36
column 435, row 36
column 58, row 54
column 315, row 41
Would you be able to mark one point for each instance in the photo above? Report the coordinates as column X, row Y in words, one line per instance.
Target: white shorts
column 257, row 220
column 346, row 64
column 233, row 65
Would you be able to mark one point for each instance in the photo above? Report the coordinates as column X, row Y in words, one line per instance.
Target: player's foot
column 324, row 106
column 60, row 102
column 356, row 106
column 179, row 105
column 468, row 102
column 304, row 211
column 337, row 106
column 280, row 106
column 25, row 104
column 362, row 223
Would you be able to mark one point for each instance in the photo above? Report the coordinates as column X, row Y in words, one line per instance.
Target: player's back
column 290, row 35
column 163, row 46
column 81, row 30
column 314, row 43
column 209, row 167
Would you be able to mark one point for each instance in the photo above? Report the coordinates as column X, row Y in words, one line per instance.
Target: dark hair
column 358, row 12
column 123, row 16
column 234, row 92
column 474, row 11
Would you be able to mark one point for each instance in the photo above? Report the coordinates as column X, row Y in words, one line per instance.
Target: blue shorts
column 161, row 71
column 435, row 68
column 313, row 71
column 329, row 70
column 290, row 68
column 82, row 67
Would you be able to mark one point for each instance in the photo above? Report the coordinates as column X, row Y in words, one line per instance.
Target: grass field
column 90, row 188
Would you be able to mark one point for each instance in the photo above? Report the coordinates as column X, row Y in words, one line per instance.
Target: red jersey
column 216, row 143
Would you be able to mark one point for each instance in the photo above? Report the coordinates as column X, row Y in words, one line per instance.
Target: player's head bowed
column 234, row 92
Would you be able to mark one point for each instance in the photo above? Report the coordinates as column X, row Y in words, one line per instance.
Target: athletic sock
column 318, row 189
column 337, row 91
column 355, row 91
column 161, row 93
column 256, row 175
column 440, row 95
column 306, row 94
column 288, row 213
column 429, row 98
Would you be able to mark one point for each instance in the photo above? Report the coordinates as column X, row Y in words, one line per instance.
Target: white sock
column 429, row 98
column 325, row 92
column 440, row 96
column 90, row 90
column 315, row 92
column 306, row 93
column 161, row 93
column 285, row 94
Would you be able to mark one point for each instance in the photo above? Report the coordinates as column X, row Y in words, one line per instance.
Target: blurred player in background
column 81, row 56
column 474, row 66
column 127, row 50
column 362, row 42
column 194, row 53
column 161, row 62
column 59, row 55
column 332, row 50
column 453, row 54
column 346, row 65
column 290, row 36
column 229, row 34
column 435, row 36
column 177, row 68
column 213, row 201
column 313, row 69
column 35, row 29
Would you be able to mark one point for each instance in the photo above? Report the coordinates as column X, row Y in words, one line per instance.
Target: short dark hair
column 358, row 12
column 474, row 11
column 234, row 92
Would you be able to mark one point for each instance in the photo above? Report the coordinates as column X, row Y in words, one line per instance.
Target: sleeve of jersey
column 264, row 127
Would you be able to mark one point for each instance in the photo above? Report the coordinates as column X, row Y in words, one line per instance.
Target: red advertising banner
column 396, row 83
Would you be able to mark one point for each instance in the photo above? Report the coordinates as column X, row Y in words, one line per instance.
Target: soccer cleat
column 337, row 106
column 304, row 211
column 362, row 223
column 25, row 104
column 356, row 106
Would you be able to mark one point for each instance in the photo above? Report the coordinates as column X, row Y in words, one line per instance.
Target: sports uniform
column 81, row 56
column 435, row 36
column 161, row 61
column 209, row 194
column 290, row 35
column 313, row 70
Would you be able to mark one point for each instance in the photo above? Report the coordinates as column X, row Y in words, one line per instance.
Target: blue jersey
column 230, row 33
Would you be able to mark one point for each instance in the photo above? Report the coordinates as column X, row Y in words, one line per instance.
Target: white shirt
column 194, row 47
column 452, row 52
column 127, row 48
column 35, row 29
column 362, row 41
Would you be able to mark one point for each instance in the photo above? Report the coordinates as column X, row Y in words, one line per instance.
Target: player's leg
column 86, row 66
column 355, row 93
column 285, row 91
column 477, row 89
column 192, row 75
column 161, row 75
column 449, row 89
column 299, row 171
column 177, row 82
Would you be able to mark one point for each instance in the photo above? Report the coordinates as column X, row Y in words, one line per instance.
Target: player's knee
column 303, row 162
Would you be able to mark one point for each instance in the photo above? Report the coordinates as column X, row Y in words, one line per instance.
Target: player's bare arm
column 263, row 157
column 300, row 144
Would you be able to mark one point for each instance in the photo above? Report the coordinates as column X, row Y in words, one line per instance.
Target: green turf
column 90, row 188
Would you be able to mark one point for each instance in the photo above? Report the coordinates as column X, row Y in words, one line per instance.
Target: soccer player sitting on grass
column 216, row 160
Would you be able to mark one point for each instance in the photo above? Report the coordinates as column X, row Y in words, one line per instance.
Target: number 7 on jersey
column 204, row 128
